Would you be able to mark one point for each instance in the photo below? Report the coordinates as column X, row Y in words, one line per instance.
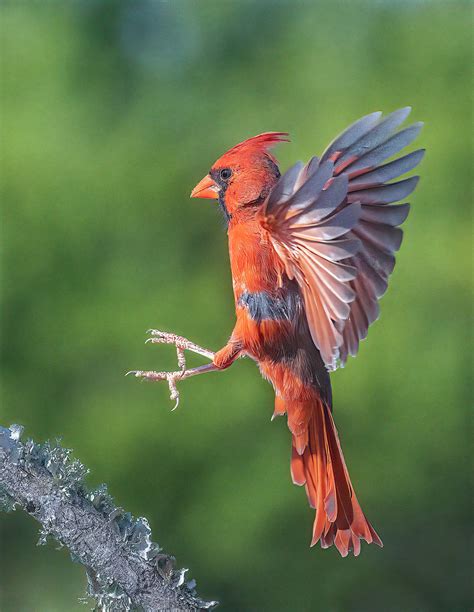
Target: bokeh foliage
column 111, row 112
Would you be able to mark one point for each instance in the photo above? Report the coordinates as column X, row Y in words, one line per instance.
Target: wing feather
column 385, row 215
column 387, row 239
column 386, row 194
column 389, row 171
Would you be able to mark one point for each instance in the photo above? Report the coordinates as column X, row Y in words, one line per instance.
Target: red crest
column 258, row 144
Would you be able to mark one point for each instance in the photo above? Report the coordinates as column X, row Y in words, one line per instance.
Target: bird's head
column 242, row 177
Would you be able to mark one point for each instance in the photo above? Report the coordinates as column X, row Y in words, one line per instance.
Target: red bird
column 311, row 252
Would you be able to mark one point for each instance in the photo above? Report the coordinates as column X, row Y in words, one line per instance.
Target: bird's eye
column 225, row 174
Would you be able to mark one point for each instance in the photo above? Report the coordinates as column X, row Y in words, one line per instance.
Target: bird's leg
column 181, row 344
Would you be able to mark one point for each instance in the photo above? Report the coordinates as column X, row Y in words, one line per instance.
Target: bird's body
column 311, row 252
column 271, row 328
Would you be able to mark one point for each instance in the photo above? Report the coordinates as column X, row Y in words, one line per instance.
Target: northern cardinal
column 310, row 252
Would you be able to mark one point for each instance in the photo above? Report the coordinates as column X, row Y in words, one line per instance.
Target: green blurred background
column 111, row 112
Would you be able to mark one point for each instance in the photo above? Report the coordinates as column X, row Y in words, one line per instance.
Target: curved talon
column 174, row 393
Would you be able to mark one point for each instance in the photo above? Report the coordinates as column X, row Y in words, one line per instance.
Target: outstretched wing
column 335, row 229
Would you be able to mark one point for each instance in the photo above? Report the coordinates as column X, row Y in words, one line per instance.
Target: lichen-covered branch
column 126, row 570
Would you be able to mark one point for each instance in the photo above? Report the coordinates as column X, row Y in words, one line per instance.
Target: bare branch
column 126, row 570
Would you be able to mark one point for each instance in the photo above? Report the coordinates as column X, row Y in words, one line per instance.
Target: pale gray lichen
column 126, row 570
column 108, row 596
column 7, row 503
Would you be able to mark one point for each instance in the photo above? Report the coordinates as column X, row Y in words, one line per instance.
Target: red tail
column 319, row 465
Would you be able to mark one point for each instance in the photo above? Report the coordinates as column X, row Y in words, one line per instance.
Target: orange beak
column 206, row 188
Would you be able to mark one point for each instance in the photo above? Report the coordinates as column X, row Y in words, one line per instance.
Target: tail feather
column 297, row 468
column 320, row 466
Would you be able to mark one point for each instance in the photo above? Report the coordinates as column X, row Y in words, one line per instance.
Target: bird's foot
column 170, row 377
column 182, row 345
